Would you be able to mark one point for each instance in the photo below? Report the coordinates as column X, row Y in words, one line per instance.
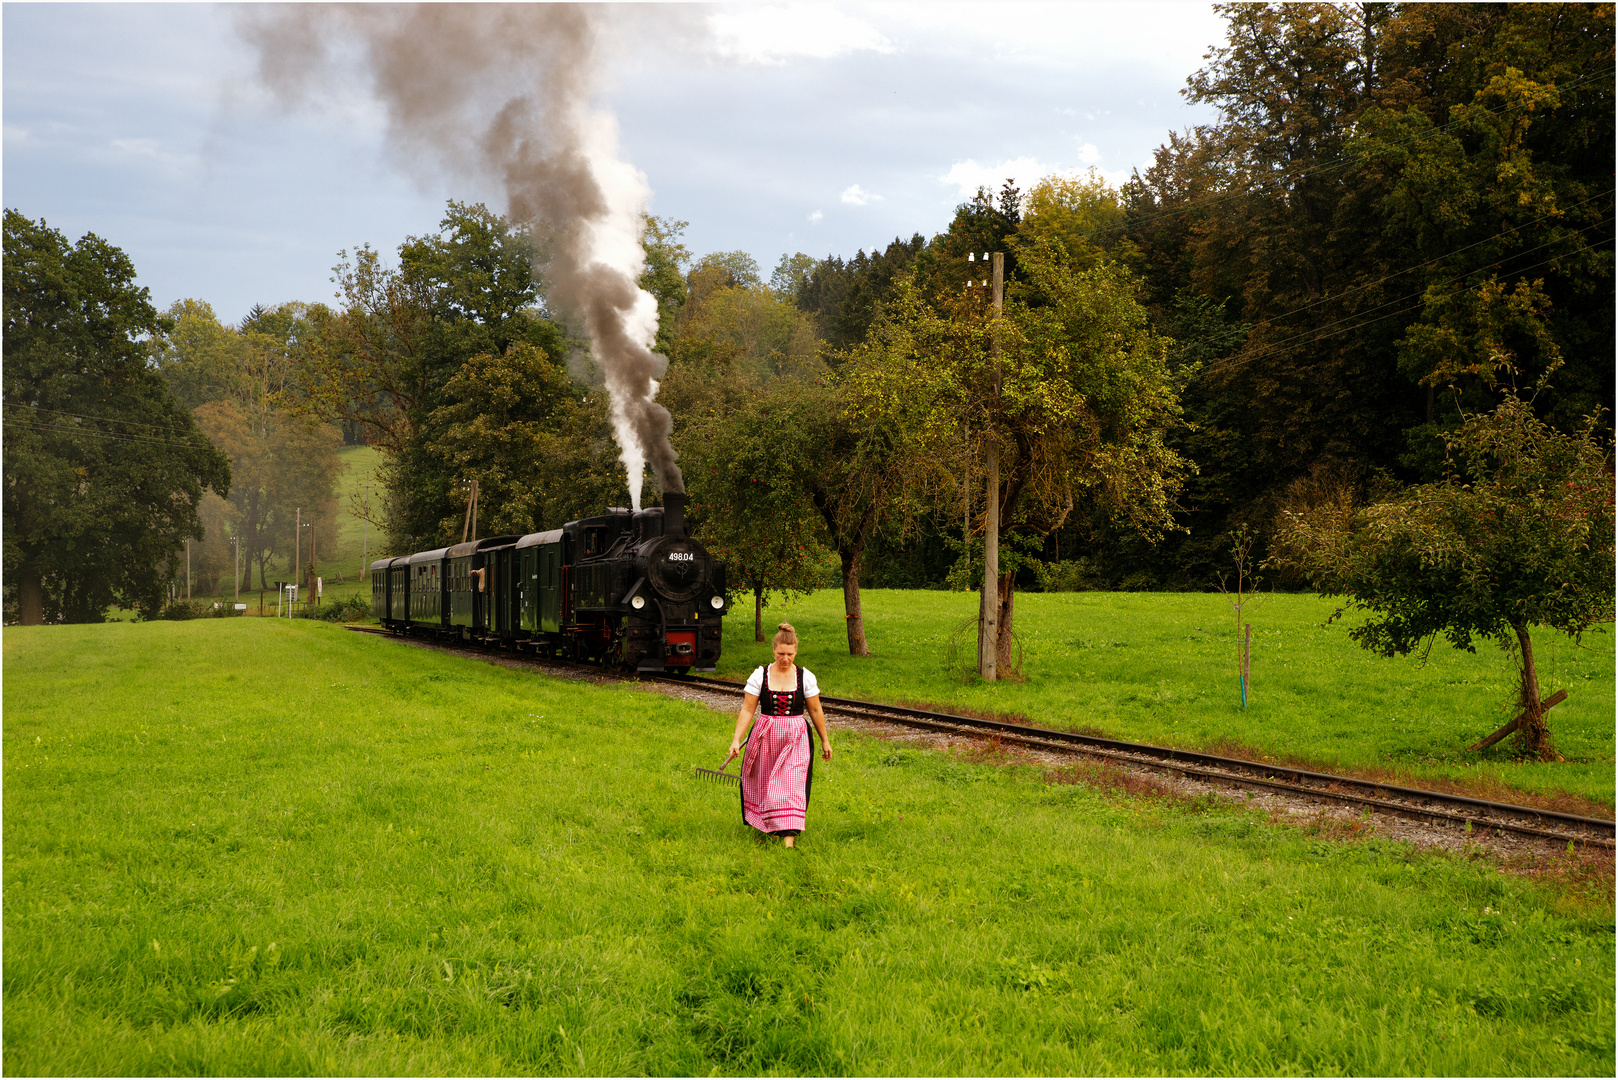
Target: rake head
column 717, row 775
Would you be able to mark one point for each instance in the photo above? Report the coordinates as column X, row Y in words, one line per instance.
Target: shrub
column 1069, row 575
column 348, row 609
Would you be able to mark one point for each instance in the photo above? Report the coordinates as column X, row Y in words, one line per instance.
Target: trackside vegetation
column 1161, row 668
column 254, row 846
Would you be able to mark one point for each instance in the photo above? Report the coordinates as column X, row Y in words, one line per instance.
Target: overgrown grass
column 1160, row 668
column 245, row 846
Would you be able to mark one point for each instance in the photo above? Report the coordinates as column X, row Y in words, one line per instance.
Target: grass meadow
column 1161, row 668
column 254, row 846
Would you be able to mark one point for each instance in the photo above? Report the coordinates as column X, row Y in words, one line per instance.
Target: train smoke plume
column 506, row 89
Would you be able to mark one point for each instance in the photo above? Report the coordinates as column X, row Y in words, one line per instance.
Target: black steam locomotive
column 627, row 590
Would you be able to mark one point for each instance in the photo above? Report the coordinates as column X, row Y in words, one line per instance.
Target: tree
column 1518, row 535
column 216, row 555
column 664, row 277
column 850, row 458
column 1394, row 194
column 791, row 276
column 104, row 469
column 1085, row 399
column 540, row 448
column 752, row 513
column 845, row 298
column 198, row 357
column 244, row 382
column 282, row 464
column 726, row 269
column 1503, row 236
column 384, row 362
column 761, row 335
column 1082, row 214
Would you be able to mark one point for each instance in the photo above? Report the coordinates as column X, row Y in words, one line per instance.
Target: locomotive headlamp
column 716, row 602
column 638, row 602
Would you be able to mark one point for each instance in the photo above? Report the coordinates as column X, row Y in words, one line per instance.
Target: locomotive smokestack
column 674, row 513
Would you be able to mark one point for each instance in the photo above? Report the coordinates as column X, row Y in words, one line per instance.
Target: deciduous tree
column 1085, row 399
column 104, row 469
column 539, row 446
column 752, row 510
column 1518, row 535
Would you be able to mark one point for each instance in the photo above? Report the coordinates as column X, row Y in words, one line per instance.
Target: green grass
column 247, row 846
column 1160, row 668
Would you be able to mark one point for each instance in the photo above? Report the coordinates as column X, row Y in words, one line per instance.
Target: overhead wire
column 75, row 430
column 1239, row 359
column 85, row 416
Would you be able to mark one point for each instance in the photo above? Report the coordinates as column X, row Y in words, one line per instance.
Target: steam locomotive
column 626, row 590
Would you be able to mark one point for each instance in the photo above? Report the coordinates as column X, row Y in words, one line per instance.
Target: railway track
column 1458, row 811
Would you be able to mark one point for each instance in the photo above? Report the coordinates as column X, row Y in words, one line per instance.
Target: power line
column 1449, row 255
column 1578, row 234
column 165, row 429
column 1242, row 360
column 106, row 436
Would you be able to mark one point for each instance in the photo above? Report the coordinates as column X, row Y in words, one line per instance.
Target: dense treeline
column 1402, row 213
column 1403, row 209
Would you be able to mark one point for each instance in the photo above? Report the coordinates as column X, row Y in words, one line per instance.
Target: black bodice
column 781, row 702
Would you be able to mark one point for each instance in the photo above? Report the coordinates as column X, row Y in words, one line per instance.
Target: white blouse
column 811, row 686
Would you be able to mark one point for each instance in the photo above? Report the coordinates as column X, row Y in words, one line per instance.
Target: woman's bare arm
column 744, row 718
column 818, row 715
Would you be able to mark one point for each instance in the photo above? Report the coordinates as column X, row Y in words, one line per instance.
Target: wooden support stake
column 1555, row 699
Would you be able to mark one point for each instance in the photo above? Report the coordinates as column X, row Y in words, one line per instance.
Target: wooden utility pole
column 297, row 545
column 188, row 571
column 989, row 637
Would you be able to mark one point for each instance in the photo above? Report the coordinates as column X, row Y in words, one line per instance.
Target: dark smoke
column 505, row 89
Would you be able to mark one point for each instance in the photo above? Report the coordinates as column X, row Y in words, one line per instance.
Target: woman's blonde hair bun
column 786, row 635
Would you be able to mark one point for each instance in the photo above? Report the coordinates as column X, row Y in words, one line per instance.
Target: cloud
column 1025, row 172
column 775, row 33
column 816, row 218
column 1104, row 33
column 855, row 195
column 968, row 175
column 149, row 150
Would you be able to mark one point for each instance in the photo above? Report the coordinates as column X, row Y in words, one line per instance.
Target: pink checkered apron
column 778, row 764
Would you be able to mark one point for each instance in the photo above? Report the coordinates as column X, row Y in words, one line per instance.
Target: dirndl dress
column 778, row 764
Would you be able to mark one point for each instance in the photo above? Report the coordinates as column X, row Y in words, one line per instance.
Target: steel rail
column 1440, row 807
column 1454, row 810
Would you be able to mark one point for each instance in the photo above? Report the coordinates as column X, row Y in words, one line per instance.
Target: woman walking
column 779, row 763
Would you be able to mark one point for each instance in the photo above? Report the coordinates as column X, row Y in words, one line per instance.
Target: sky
column 769, row 128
